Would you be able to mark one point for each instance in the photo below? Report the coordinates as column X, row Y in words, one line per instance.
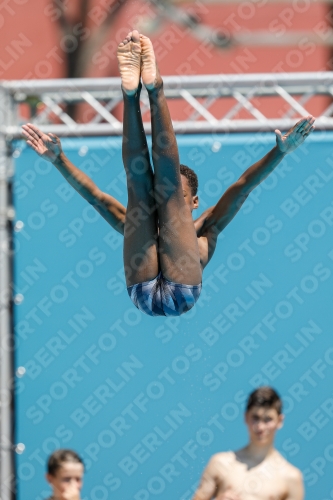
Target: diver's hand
column 48, row 146
column 295, row 136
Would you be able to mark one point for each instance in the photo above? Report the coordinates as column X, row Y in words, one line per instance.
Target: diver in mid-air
column 165, row 251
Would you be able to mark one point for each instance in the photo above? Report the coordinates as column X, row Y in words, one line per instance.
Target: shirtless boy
column 258, row 471
column 165, row 251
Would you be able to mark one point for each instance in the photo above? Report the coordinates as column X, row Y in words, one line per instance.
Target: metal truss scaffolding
column 47, row 103
column 49, row 100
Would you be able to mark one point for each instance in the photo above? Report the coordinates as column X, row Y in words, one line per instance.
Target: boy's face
column 262, row 424
column 68, row 478
column 191, row 201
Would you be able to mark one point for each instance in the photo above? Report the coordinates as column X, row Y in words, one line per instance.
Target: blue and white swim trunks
column 161, row 297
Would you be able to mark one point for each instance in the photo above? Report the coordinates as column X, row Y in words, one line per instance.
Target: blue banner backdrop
column 146, row 401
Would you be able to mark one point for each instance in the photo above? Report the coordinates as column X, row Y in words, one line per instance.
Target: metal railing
column 199, row 94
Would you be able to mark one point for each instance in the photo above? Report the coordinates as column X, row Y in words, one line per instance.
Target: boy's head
column 263, row 415
column 65, row 471
column 190, row 186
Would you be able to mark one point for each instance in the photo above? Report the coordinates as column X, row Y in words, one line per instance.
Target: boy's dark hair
column 266, row 397
column 59, row 457
column 191, row 177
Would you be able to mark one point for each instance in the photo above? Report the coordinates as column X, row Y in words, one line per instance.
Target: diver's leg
column 140, row 233
column 178, row 245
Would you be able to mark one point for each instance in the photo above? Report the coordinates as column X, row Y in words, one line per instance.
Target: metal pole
column 6, row 355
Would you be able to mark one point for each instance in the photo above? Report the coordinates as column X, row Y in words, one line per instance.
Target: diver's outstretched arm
column 48, row 146
column 217, row 217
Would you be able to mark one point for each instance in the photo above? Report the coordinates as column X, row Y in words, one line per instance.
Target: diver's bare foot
column 129, row 62
column 149, row 71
